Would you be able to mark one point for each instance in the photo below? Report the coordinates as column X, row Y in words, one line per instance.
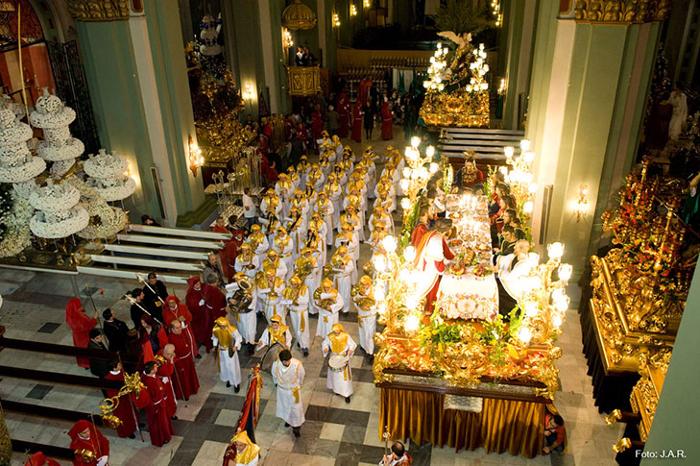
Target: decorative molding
column 304, row 80
column 99, row 10
column 619, row 11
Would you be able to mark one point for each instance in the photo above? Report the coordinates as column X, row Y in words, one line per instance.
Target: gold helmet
column 245, row 247
column 366, row 281
column 272, row 254
column 342, row 250
column 255, row 228
column 327, row 283
column 275, row 319
column 295, row 281
column 338, row 328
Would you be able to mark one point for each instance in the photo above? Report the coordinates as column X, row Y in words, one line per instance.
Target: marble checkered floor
column 335, row 433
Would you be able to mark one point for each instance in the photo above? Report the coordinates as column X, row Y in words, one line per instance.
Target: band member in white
column 341, row 347
column 342, row 268
column 288, row 376
column 329, row 302
column 363, row 298
column 296, row 298
column 277, row 332
column 227, row 342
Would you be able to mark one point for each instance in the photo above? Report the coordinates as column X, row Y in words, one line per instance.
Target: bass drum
column 269, row 355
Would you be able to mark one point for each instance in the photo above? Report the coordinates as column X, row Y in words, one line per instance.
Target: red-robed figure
column 387, row 121
column 363, row 91
column 80, row 324
column 343, row 105
column 166, row 372
column 229, row 252
column 152, row 337
column 431, row 254
column 186, row 373
column 201, row 325
column 159, row 425
column 175, row 310
column 40, row 459
column 316, row 123
column 124, row 410
column 357, row 122
column 91, row 448
column 215, row 302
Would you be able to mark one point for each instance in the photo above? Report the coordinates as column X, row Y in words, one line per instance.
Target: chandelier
column 298, row 16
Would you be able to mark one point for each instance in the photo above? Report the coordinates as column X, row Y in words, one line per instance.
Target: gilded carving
column 621, row 11
column 99, row 10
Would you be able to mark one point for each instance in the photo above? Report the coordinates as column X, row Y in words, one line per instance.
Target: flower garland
column 110, row 220
column 17, row 234
column 54, row 197
column 78, row 219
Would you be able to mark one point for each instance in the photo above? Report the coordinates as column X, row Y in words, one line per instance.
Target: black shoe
column 142, row 425
column 347, row 399
column 236, row 389
column 296, row 431
column 251, row 349
column 286, row 424
column 228, row 384
column 305, row 352
column 132, row 436
column 174, row 418
column 199, row 356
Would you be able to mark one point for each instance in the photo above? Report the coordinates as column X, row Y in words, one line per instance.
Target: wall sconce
column 335, row 20
column 196, row 159
column 353, row 10
column 249, row 92
column 502, row 87
column 366, row 3
column 582, row 203
column 287, row 41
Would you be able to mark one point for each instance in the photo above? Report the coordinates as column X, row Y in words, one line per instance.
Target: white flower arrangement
column 112, row 221
column 17, row 236
column 54, row 197
column 77, row 220
column 22, row 173
column 72, row 149
column 118, row 191
column 57, row 136
column 105, row 166
column 50, row 113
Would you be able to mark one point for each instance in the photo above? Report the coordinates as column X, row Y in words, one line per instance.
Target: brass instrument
column 87, row 456
column 132, row 384
column 328, row 302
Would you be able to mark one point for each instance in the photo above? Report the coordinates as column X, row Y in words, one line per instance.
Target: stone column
column 137, row 78
column 589, row 84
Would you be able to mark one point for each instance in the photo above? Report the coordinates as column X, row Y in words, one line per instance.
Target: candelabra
column 437, row 71
column 416, row 174
column 545, row 304
column 478, row 68
column 519, row 176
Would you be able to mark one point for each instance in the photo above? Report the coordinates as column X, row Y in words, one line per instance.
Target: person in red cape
column 316, row 122
column 91, row 448
column 228, row 253
column 387, row 121
column 159, row 425
column 363, row 92
column 215, row 302
column 124, row 410
column 175, row 310
column 431, row 254
column 80, row 324
column 357, row 122
column 152, row 337
column 201, row 325
column 40, row 459
column 421, row 229
column 166, row 372
column 186, row 373
column 343, row 114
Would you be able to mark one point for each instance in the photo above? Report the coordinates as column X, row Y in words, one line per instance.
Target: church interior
column 349, row 232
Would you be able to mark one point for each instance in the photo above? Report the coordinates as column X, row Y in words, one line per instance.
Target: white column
column 547, row 142
column 154, row 120
column 268, row 54
column 322, row 42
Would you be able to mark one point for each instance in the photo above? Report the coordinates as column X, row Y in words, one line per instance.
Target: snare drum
column 337, row 362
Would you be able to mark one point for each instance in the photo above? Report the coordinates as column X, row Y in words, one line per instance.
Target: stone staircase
column 486, row 143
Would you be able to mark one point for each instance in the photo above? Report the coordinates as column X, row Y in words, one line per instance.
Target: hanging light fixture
column 298, row 16
column 353, row 10
column 335, row 19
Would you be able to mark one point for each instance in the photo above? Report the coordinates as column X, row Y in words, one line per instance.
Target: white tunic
column 340, row 381
column 343, row 279
column 229, row 367
column 253, row 462
column 326, row 319
column 289, row 380
column 367, row 326
column 265, row 339
column 242, row 266
column 247, row 321
column 299, row 318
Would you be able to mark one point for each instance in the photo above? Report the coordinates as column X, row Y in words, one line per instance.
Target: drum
column 337, row 362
